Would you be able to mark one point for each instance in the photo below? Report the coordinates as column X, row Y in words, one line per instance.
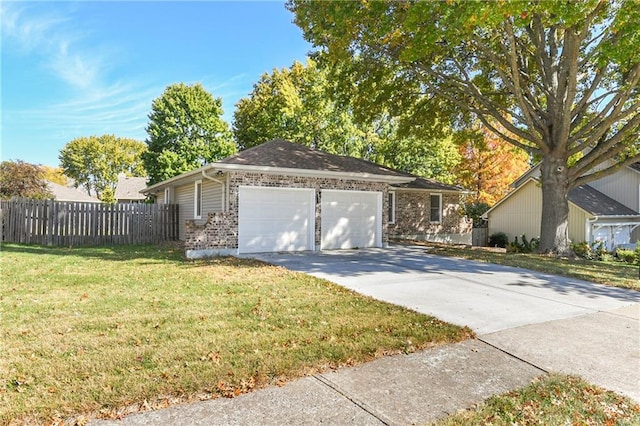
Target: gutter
column 225, row 200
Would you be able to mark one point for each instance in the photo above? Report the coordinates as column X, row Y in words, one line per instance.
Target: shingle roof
column 282, row 154
column 128, row 188
column 65, row 193
column 635, row 166
column 424, row 183
column 598, row 204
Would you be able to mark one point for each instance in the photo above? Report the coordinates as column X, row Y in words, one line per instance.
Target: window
column 197, row 207
column 392, row 207
column 436, row 208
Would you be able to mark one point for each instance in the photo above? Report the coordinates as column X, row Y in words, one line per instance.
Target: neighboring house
column 281, row 196
column 128, row 189
column 66, row 193
column 606, row 210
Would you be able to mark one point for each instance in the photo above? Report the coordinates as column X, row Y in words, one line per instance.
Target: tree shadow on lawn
column 416, row 264
column 154, row 253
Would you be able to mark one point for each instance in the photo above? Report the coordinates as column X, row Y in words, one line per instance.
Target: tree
column 298, row 104
column 560, row 77
column 295, row 104
column 24, row 180
column 54, row 174
column 488, row 165
column 185, row 132
column 95, row 162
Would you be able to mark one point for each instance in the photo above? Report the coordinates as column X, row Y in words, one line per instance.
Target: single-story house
column 281, row 196
column 606, row 210
column 69, row 193
column 128, row 189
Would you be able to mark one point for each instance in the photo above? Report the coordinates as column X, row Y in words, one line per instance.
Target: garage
column 275, row 219
column 351, row 219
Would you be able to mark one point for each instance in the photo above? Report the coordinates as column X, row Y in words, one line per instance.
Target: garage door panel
column 351, row 219
column 275, row 219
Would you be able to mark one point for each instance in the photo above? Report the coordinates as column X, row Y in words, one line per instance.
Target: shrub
column 525, row 246
column 596, row 251
column 498, row 239
column 625, row 255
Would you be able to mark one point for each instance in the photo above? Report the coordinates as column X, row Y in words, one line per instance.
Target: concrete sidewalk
column 603, row 348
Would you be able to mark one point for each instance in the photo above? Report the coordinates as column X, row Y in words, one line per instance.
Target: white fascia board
column 157, row 186
column 432, row 191
column 312, row 173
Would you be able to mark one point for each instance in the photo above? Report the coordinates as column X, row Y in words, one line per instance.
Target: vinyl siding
column 622, row 187
column 520, row 214
column 211, row 202
column 577, row 223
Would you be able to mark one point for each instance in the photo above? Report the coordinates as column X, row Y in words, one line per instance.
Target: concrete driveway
column 485, row 297
column 554, row 323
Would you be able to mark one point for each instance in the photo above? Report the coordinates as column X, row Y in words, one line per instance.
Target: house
column 69, row 193
column 128, row 189
column 606, row 210
column 281, row 196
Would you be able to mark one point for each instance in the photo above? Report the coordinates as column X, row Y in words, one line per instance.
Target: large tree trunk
column 554, row 230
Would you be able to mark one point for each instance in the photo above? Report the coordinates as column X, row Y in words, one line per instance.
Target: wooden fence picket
column 57, row 223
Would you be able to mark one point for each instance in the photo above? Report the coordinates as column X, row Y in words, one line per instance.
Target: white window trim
column 167, row 195
column 195, row 200
column 439, row 208
column 392, row 207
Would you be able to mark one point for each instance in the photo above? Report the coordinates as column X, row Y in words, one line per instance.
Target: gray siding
column 622, row 187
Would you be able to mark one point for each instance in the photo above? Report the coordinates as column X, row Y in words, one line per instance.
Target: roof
column 635, row 166
column 282, row 154
column 424, row 183
column 128, row 188
column 597, row 203
column 65, row 193
column 283, row 157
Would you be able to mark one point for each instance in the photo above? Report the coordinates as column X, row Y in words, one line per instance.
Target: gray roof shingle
column 282, row 154
column 598, row 204
column 128, row 188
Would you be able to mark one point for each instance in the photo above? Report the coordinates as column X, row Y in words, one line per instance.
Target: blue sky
column 72, row 69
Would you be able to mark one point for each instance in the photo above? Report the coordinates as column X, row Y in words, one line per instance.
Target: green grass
column 615, row 274
column 551, row 400
column 100, row 332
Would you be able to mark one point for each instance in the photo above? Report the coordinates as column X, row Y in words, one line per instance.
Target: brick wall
column 413, row 211
column 220, row 232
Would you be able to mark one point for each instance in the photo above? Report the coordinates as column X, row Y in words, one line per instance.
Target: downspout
column 224, row 189
column 589, row 227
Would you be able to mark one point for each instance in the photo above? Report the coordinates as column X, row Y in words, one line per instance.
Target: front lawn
column 616, row 274
column 92, row 332
column 551, row 400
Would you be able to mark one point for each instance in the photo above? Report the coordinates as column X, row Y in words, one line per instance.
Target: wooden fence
column 58, row 223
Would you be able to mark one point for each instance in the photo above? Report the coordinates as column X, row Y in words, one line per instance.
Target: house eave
column 279, row 170
column 434, row 191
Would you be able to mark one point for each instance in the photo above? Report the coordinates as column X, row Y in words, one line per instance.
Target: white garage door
column 275, row 219
column 351, row 219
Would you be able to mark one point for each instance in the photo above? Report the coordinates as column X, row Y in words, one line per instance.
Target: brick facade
column 412, row 218
column 220, row 233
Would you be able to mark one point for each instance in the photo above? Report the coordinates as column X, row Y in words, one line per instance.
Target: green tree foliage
column 23, row 180
column 95, row 162
column 561, row 78
column 298, row 104
column 295, row 104
column 185, row 132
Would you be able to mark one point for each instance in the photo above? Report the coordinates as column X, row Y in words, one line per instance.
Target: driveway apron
column 483, row 296
column 554, row 323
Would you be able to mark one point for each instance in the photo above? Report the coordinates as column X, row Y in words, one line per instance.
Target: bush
column 628, row 256
column 596, row 251
column 498, row 239
column 525, row 246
